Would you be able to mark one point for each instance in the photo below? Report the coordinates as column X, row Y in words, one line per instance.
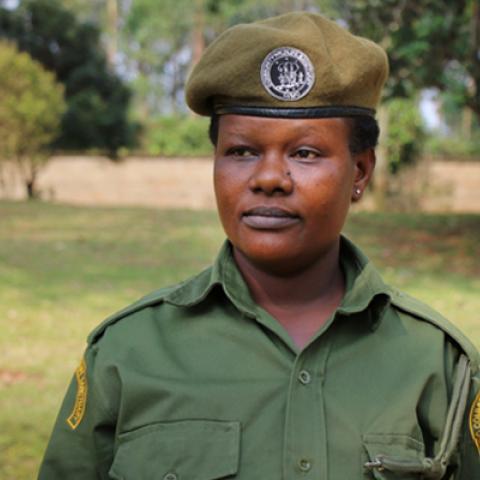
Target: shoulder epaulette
column 422, row 311
column 184, row 293
column 149, row 300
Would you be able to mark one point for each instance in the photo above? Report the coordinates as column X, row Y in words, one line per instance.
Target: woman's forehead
column 242, row 125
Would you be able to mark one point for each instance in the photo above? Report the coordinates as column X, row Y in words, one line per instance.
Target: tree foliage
column 30, row 112
column 97, row 98
column 406, row 133
column 156, row 43
column 430, row 43
column 162, row 40
column 178, row 136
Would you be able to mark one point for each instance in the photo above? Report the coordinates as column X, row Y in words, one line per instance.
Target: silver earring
column 357, row 192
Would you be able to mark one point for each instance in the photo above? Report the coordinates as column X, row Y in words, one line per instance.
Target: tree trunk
column 31, row 191
column 474, row 84
column 30, row 176
column 198, row 41
column 382, row 174
column 467, row 123
column 112, row 29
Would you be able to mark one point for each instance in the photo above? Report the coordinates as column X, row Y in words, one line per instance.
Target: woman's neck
column 301, row 301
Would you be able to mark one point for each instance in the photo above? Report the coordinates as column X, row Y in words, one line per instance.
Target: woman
column 289, row 357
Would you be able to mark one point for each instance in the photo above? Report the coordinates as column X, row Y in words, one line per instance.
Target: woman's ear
column 364, row 166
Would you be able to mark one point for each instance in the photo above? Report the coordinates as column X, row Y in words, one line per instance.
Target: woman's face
column 284, row 186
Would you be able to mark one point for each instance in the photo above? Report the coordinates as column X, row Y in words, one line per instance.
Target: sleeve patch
column 475, row 422
column 81, row 399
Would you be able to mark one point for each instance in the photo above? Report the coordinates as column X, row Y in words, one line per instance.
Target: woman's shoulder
column 407, row 305
column 184, row 293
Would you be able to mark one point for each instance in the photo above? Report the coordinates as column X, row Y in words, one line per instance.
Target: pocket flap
column 405, row 453
column 179, row 450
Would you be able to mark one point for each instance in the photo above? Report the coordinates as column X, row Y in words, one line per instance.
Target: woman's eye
column 305, row 154
column 242, row 152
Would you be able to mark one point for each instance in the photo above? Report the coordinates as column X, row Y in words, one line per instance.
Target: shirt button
column 170, row 476
column 304, row 377
column 304, row 465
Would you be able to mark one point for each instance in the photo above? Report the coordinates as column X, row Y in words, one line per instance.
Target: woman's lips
column 269, row 218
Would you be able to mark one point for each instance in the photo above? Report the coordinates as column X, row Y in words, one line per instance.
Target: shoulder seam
column 157, row 296
column 147, row 301
column 407, row 304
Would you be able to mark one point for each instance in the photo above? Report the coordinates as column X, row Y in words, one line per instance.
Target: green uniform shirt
column 197, row 382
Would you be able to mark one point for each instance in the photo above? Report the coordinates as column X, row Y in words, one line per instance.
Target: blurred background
column 105, row 176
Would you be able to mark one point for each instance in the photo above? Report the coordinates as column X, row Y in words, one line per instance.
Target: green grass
column 63, row 269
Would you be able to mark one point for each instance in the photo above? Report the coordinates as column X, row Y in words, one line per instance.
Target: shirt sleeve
column 81, row 444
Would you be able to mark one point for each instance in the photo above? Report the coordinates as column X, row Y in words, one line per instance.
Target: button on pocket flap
column 180, row 450
column 392, row 457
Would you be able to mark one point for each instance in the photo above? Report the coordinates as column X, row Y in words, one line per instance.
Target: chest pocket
column 180, row 450
column 393, row 457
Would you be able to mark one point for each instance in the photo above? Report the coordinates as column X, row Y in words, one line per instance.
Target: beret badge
column 287, row 74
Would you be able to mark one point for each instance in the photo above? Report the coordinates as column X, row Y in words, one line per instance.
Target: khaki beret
column 294, row 65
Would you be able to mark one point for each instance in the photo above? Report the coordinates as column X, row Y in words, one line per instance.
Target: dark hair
column 364, row 132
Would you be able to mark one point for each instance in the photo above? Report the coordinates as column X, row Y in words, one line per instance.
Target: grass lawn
column 63, row 269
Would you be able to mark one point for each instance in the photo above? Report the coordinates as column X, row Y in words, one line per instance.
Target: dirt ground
column 186, row 183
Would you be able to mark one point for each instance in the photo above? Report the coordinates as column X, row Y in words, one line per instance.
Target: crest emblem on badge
column 287, row 74
column 475, row 421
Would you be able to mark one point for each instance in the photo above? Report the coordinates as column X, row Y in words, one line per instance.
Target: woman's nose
column 271, row 176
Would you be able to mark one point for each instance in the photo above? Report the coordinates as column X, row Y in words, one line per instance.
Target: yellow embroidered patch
column 475, row 421
column 81, row 399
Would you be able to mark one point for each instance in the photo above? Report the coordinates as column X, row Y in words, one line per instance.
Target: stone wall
column 187, row 183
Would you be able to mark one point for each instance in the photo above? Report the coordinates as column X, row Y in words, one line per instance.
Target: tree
column 406, row 133
column 426, row 40
column 161, row 41
column 430, row 43
column 30, row 113
column 97, row 99
column 156, row 42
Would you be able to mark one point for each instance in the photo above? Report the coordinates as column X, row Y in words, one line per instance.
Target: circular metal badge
column 287, row 74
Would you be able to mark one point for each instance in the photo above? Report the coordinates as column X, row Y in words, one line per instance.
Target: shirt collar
column 223, row 273
column 365, row 289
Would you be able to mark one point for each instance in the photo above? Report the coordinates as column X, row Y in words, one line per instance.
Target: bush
column 177, row 136
column 454, row 147
column 406, row 133
column 31, row 108
column 97, row 99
